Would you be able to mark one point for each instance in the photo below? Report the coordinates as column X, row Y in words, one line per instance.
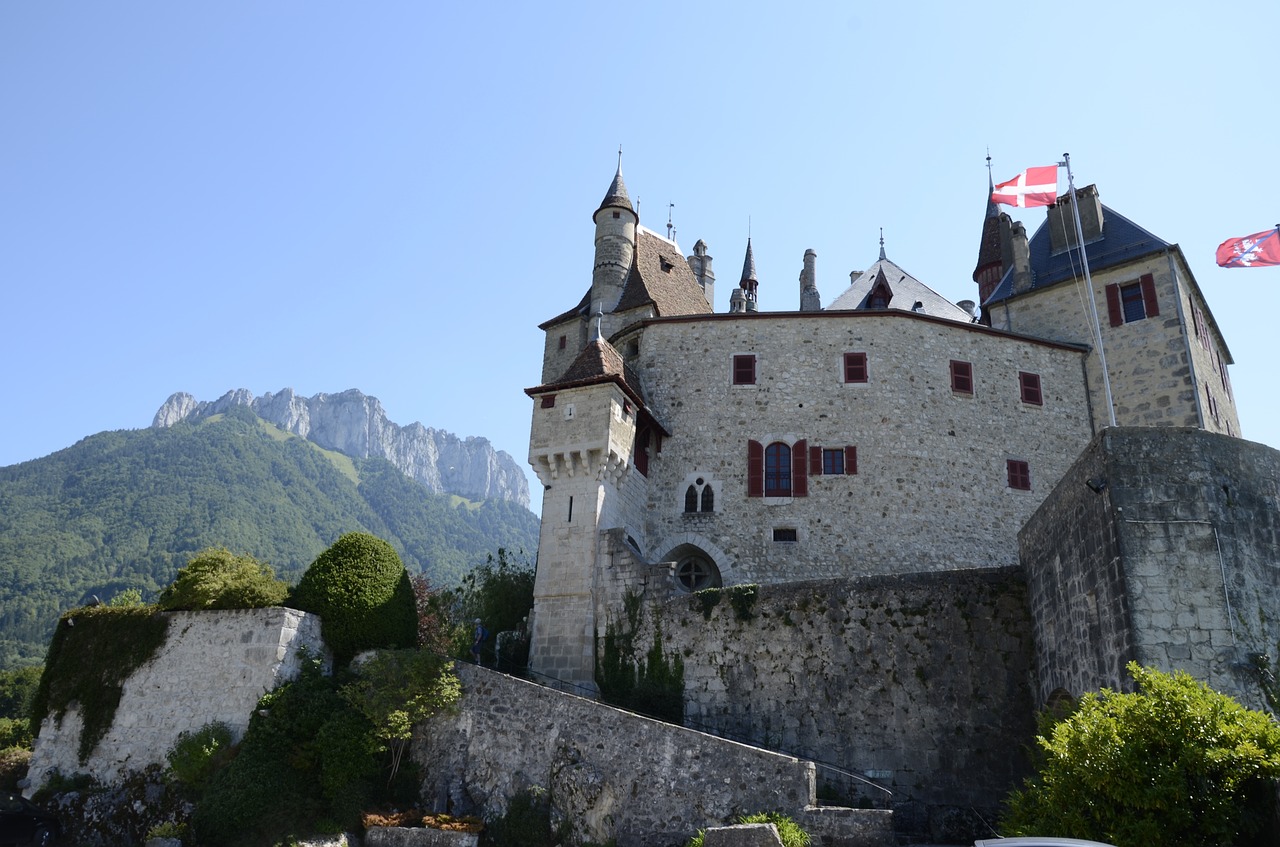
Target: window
column 855, row 367
column 744, row 369
column 694, row 573
column 961, row 377
column 548, row 401
column 564, row 341
column 777, row 470
column 1029, row 384
column 641, row 456
column 781, row 534
column 1019, row 475
column 832, row 462
column 699, row 497
column 1132, row 301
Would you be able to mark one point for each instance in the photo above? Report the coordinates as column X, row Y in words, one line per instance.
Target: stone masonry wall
column 1185, row 557
column 613, row 775
column 931, row 490
column 214, row 666
column 923, row 682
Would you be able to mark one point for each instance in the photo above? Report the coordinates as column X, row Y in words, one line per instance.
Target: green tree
column 499, row 593
column 397, row 689
column 361, row 591
column 1174, row 763
column 216, row 578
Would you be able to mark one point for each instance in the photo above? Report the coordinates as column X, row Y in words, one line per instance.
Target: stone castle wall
column 214, row 666
column 615, row 776
column 1175, row 563
column 931, row 490
column 923, row 682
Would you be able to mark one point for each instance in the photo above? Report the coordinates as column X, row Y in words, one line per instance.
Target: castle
column 894, row 441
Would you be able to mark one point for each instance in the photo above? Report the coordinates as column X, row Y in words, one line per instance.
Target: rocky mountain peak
column 353, row 423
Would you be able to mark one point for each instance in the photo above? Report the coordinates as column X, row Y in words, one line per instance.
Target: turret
column 615, row 222
column 810, row 300
column 991, row 264
column 700, row 264
column 749, row 283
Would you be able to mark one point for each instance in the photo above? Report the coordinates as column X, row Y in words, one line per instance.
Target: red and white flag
column 1032, row 187
column 1251, row 251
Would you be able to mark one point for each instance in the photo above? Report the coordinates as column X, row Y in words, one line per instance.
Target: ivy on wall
column 93, row 651
column 651, row 684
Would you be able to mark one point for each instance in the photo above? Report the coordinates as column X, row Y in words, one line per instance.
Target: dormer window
column 664, row 264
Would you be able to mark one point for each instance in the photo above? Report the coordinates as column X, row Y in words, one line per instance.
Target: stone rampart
column 214, row 666
column 1161, row 546
column 611, row 774
column 922, row 682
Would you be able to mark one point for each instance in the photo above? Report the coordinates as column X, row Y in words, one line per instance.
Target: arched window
column 777, row 470
column 696, row 572
column 708, row 499
column 691, row 499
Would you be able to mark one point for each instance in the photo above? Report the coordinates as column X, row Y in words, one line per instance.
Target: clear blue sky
column 391, row 196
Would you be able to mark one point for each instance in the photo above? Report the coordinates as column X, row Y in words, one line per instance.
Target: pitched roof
column 599, row 362
column 1121, row 241
column 660, row 276
column 907, row 291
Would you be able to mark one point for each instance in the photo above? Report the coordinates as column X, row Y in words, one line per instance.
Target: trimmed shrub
column 216, row 578
column 361, row 591
column 1175, row 763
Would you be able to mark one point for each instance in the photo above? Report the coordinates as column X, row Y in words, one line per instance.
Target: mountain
column 126, row 509
column 354, row 423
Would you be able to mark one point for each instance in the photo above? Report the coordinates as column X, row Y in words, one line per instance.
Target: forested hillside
column 126, row 509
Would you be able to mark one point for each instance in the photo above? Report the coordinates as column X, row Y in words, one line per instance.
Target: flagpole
column 1088, row 281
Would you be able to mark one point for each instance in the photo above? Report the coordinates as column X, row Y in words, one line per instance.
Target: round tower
column 615, row 222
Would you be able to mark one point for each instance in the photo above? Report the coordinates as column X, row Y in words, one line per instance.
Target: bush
column 195, row 756
column 1175, row 763
column 216, row 578
column 13, row 767
column 361, row 591
column 788, row 830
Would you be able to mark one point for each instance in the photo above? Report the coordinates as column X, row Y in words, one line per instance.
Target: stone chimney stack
column 1016, row 253
column 810, row 301
column 1062, row 226
column 700, row 264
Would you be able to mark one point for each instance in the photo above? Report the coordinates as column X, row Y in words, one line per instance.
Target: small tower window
column 1029, row 384
column 708, row 499
column 699, row 497
column 691, row 499
column 564, row 341
column 961, row 377
column 548, row 401
column 617, row 215
column 1019, row 475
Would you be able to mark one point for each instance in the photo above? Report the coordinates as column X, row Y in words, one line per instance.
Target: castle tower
column 615, row 222
column 991, row 266
column 810, row 300
column 700, row 264
column 580, row 446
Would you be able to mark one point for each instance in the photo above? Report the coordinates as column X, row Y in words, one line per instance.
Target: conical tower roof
column 749, row 266
column 989, row 254
column 616, row 197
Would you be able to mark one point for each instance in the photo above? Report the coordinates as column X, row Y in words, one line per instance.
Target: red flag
column 1251, row 251
column 1032, row 187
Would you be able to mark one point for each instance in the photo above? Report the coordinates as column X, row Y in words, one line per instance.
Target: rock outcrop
column 355, row 424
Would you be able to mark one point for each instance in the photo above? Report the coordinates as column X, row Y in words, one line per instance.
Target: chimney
column 810, row 301
column 1062, row 226
column 700, row 264
column 1016, row 255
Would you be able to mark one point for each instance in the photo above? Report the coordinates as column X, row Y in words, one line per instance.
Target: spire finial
column 670, row 227
column 991, row 182
column 619, row 158
column 882, row 256
column 595, row 336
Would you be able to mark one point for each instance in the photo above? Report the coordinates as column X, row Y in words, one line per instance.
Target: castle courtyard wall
column 922, row 682
column 931, row 490
column 616, row 777
column 213, row 666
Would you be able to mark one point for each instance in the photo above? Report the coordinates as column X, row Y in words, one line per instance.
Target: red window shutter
column 1113, row 304
column 755, row 469
column 1149, row 295
column 799, row 468
column 850, row 460
column 815, row 461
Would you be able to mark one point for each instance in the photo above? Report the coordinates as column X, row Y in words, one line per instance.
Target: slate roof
column 598, row 362
column 660, row 276
column 989, row 248
column 1121, row 241
column 616, row 196
column 907, row 291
